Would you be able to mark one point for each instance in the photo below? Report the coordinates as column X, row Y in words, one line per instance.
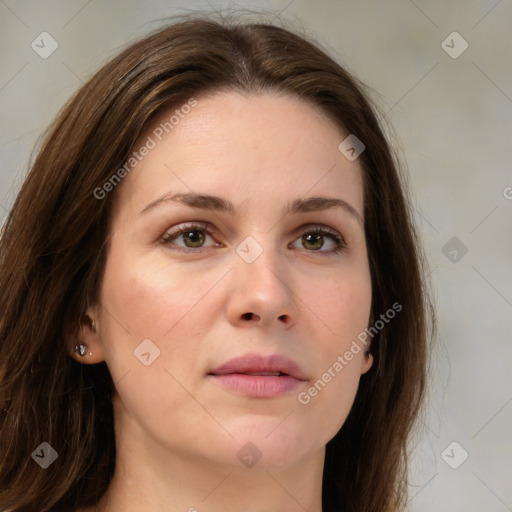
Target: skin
column 178, row 431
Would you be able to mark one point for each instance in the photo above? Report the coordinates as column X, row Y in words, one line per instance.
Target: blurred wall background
column 442, row 76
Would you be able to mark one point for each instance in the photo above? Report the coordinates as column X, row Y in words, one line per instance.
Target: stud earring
column 81, row 349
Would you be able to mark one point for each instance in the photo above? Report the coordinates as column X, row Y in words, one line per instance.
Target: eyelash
column 341, row 245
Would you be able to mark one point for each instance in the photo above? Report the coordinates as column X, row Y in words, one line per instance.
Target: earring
column 81, row 349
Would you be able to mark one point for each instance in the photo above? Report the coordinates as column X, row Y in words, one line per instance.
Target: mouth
column 262, row 373
column 259, row 376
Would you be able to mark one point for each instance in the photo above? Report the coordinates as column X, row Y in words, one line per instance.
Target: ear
column 87, row 333
column 367, row 361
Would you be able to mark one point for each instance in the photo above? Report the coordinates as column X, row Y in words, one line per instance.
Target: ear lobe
column 86, row 333
column 367, row 362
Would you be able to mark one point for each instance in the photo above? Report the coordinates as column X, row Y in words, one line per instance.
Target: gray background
column 451, row 119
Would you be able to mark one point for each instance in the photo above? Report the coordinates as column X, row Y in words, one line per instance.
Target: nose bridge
column 258, row 257
column 261, row 280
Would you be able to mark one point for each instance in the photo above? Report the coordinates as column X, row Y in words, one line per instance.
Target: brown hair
column 54, row 242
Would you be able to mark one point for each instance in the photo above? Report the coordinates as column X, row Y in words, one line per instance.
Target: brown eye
column 196, row 238
column 314, row 241
column 314, row 238
column 192, row 235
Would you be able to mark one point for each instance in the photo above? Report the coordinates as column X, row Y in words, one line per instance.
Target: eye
column 313, row 239
column 193, row 234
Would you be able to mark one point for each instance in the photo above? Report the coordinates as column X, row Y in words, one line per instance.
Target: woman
column 212, row 292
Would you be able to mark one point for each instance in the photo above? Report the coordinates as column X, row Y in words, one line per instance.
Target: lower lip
column 258, row 386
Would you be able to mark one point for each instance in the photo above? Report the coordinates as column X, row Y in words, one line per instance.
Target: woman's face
column 251, row 279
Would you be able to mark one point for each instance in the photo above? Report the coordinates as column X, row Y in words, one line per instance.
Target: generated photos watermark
column 150, row 143
column 304, row 397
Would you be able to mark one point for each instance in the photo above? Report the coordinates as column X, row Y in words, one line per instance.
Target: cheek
column 341, row 303
column 151, row 297
column 145, row 301
column 332, row 390
column 329, row 399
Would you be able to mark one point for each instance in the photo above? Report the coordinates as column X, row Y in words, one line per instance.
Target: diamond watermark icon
column 454, row 455
column 454, row 45
column 146, row 352
column 249, row 455
column 351, row 147
column 249, row 249
column 44, row 45
column 44, row 455
column 454, row 249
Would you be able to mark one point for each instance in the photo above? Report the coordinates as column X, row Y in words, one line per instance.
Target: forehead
column 270, row 117
column 270, row 144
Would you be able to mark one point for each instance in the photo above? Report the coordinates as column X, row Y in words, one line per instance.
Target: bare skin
column 179, row 431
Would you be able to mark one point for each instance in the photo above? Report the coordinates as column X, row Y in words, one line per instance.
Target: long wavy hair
column 54, row 243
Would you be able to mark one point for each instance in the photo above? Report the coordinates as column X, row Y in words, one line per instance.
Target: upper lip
column 256, row 363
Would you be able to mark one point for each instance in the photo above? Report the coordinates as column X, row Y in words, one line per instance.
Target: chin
column 270, row 449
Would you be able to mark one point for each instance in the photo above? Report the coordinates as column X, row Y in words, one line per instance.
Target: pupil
column 196, row 237
column 313, row 239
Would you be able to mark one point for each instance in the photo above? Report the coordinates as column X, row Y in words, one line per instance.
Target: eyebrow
column 209, row 202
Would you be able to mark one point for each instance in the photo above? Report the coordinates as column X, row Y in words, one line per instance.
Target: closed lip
column 257, row 364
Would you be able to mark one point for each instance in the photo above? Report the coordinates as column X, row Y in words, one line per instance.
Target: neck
column 150, row 478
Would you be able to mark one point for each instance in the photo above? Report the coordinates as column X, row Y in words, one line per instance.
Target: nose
column 261, row 291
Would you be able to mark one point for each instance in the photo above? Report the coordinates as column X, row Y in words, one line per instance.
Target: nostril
column 249, row 316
